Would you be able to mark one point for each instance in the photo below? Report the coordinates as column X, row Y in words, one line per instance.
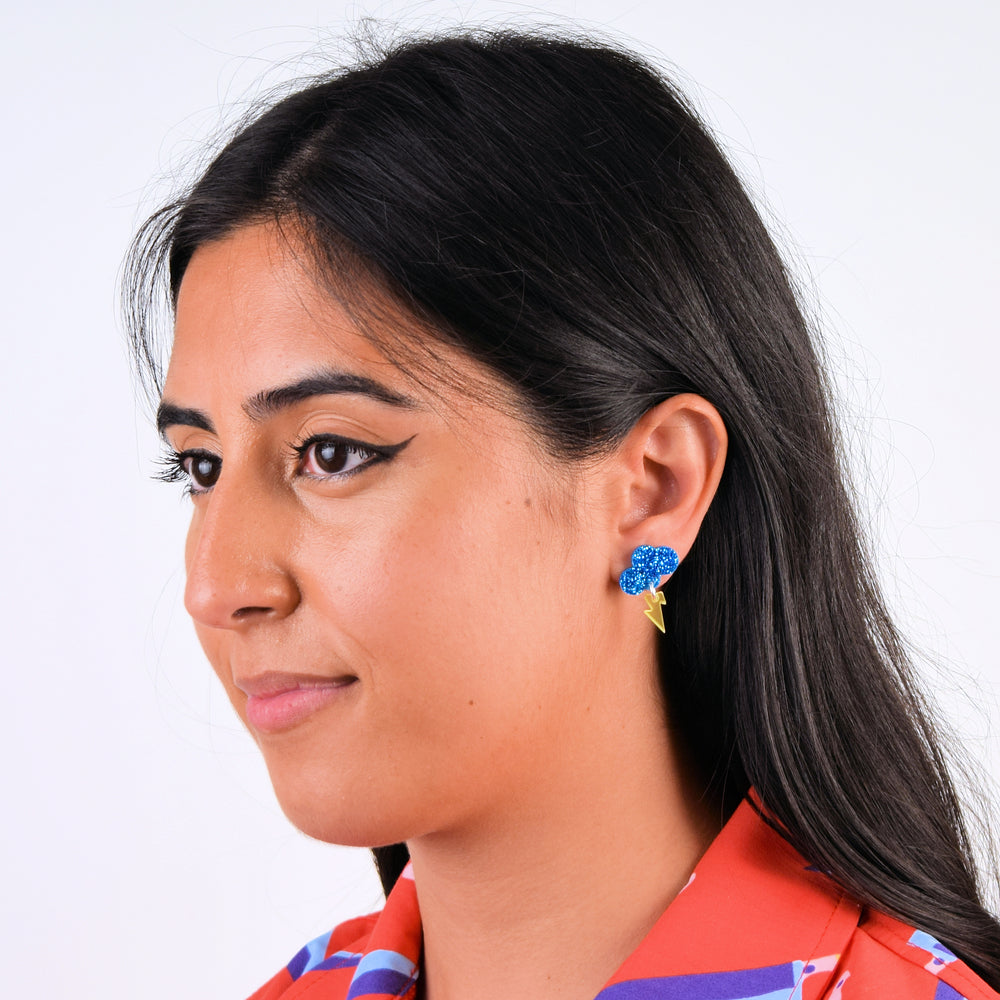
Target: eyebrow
column 330, row 382
column 264, row 404
column 170, row 415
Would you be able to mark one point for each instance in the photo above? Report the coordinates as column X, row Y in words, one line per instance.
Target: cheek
column 463, row 613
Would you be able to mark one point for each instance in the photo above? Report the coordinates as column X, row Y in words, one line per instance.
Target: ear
column 669, row 467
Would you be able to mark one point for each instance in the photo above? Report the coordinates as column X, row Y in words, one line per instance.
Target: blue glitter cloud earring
column 649, row 564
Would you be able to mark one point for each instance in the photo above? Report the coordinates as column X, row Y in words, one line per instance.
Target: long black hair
column 556, row 209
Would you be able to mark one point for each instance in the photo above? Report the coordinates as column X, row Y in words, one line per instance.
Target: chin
column 353, row 814
column 343, row 827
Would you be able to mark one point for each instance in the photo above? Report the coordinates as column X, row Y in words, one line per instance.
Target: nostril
column 247, row 612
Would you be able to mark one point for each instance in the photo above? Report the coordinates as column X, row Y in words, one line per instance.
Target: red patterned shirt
column 754, row 922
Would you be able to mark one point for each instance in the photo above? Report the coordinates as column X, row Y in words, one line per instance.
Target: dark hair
column 556, row 209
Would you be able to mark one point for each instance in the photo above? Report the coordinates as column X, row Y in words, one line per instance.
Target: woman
column 475, row 346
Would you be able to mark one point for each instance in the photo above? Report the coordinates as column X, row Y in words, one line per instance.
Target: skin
column 489, row 694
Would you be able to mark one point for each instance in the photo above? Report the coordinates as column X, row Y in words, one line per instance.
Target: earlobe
column 671, row 465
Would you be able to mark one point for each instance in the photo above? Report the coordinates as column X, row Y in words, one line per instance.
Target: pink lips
column 276, row 702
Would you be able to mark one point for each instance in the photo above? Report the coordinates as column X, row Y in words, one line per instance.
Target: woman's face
column 403, row 596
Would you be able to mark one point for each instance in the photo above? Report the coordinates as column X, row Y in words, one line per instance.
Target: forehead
column 249, row 309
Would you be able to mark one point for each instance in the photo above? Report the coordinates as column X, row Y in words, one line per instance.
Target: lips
column 277, row 702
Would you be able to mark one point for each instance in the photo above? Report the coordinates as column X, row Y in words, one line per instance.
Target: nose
column 236, row 554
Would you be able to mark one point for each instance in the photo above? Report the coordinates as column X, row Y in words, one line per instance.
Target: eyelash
column 173, row 468
column 175, row 462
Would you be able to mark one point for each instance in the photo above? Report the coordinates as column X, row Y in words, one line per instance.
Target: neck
column 541, row 904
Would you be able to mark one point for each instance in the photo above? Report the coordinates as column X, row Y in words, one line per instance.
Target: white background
column 142, row 852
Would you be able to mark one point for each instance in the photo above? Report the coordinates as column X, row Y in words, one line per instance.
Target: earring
column 649, row 564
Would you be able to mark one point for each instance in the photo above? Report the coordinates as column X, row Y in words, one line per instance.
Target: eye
column 202, row 470
column 330, row 456
column 198, row 469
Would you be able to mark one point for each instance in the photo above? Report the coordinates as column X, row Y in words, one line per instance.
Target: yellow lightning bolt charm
column 654, row 607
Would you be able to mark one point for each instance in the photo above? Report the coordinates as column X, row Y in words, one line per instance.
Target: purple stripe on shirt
column 379, row 983
column 743, row 985
column 946, row 992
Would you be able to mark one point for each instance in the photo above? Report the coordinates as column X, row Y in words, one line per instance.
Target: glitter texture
column 649, row 564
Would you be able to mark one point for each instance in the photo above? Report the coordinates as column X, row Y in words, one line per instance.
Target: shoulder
column 335, row 953
column 888, row 959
